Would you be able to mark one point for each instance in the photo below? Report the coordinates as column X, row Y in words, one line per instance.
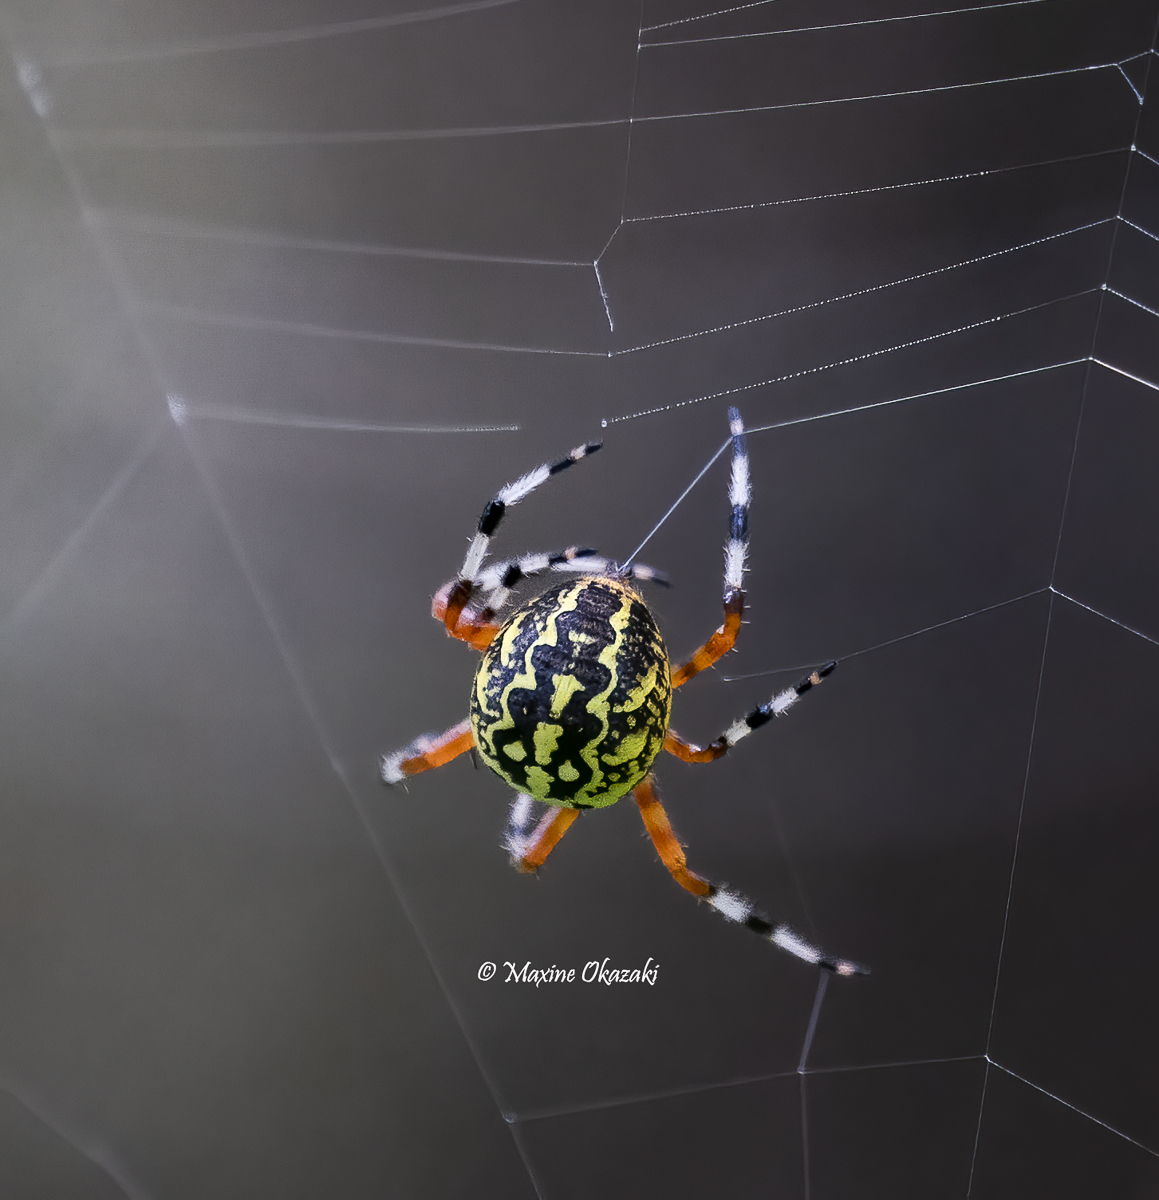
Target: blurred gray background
column 289, row 289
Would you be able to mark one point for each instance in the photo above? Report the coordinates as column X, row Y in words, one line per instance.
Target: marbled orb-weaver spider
column 571, row 700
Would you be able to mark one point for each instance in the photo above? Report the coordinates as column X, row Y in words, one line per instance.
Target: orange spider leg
column 529, row 854
column 731, row 905
column 447, row 607
column 427, row 752
column 721, row 642
column 689, row 752
column 671, row 852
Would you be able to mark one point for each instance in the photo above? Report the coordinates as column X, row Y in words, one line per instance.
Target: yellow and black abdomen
column 572, row 699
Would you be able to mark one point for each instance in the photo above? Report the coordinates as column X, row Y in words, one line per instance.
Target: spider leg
column 581, row 560
column 735, row 550
column 731, row 905
column 647, row 574
column 476, row 622
column 761, row 715
column 457, row 594
column 497, row 581
column 426, row 752
column 529, row 851
column 464, row 625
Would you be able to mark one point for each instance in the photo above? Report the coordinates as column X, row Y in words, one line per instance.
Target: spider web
column 905, row 239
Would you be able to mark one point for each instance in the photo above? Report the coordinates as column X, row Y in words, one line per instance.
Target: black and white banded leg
column 495, row 508
column 454, row 597
column 731, row 905
column 735, row 553
column 495, row 583
column 740, row 494
column 741, row 728
column 522, row 817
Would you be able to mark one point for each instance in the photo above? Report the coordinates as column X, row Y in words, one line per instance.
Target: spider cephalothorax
column 571, row 701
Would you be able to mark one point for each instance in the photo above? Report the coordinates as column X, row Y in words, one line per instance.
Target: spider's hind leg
column 529, row 847
column 731, row 905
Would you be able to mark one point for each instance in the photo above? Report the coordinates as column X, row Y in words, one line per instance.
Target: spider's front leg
column 452, row 604
column 731, row 905
column 469, row 607
column 447, row 607
column 735, row 551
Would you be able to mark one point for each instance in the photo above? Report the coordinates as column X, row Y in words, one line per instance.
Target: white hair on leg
column 475, row 555
column 516, row 841
column 523, row 486
column 739, row 486
column 796, row 945
column 731, row 905
column 739, row 496
column 391, row 767
column 391, row 764
column 737, row 730
column 735, row 552
column 512, row 493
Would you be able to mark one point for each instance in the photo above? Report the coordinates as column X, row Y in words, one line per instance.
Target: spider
column 571, row 700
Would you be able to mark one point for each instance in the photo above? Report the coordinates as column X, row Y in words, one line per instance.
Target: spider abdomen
column 572, row 699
